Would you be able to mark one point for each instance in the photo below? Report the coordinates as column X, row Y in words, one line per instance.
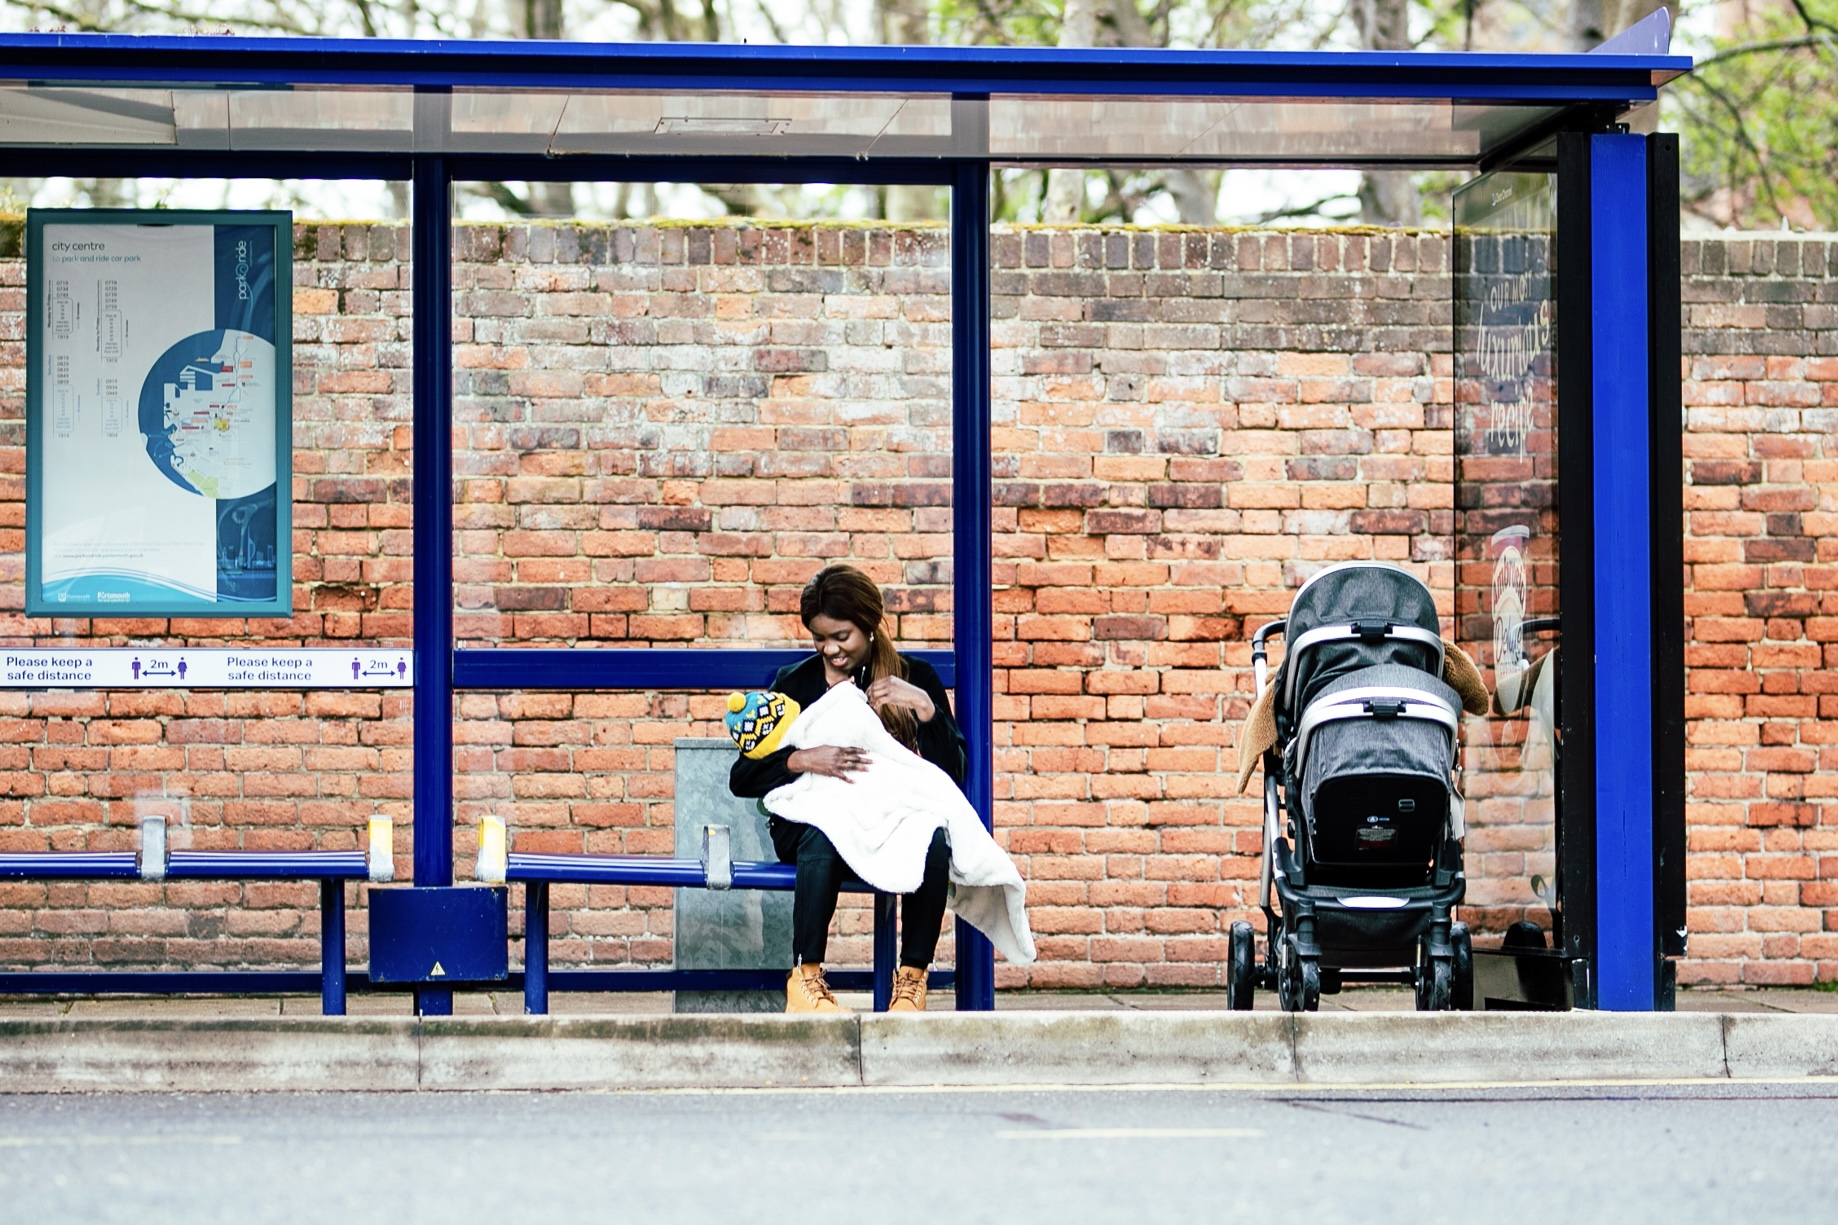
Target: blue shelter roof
column 1012, row 105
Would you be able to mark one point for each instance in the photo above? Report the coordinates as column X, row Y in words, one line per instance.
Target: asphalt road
column 1607, row 1153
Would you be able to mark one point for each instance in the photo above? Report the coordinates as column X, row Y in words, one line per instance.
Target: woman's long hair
column 844, row 593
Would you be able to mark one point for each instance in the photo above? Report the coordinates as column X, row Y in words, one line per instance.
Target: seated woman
column 844, row 612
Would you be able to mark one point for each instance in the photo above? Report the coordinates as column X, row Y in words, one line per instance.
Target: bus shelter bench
column 714, row 870
column 154, row 862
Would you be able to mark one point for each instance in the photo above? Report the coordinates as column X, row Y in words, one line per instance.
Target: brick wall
column 662, row 431
column 1761, row 447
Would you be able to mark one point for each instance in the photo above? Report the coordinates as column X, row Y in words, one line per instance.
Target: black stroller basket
column 1361, row 811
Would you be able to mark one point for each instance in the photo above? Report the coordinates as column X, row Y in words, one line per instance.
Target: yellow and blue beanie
column 757, row 721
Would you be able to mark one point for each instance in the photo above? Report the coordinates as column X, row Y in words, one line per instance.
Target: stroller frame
column 1405, row 935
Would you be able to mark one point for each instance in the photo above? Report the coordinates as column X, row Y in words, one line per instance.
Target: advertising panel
column 159, row 436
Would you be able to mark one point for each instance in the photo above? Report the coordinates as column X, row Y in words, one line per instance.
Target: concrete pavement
column 62, row 1054
column 639, row 1003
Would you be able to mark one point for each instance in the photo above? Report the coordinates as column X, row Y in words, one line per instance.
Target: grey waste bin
column 739, row 929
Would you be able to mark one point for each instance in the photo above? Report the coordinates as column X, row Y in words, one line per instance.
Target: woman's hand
column 892, row 691
column 828, row 760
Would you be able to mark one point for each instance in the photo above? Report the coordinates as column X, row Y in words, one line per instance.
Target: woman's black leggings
column 821, row 876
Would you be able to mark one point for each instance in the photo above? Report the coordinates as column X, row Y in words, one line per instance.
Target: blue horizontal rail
column 267, row 865
column 303, row 982
column 330, row 869
column 70, row 865
column 714, row 980
column 538, row 872
column 168, row 982
column 187, row 865
column 641, row 667
column 649, row 870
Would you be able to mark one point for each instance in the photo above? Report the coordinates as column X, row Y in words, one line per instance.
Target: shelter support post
column 1622, row 427
column 973, row 544
column 1623, row 663
column 433, row 540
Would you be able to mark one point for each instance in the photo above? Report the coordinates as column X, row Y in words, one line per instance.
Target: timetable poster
column 159, row 436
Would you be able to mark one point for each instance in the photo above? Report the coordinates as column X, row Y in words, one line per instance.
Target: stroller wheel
column 1311, row 985
column 1435, row 980
column 1299, row 981
column 1241, row 968
column 1463, row 968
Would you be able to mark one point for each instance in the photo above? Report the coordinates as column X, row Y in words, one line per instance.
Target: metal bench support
column 536, row 978
column 536, row 948
column 332, row 948
column 886, row 950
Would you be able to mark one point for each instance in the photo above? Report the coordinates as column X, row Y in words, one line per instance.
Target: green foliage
column 1757, row 121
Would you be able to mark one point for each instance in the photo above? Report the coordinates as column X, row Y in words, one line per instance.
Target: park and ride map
column 159, row 423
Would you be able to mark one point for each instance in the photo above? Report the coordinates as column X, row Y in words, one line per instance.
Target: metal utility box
column 439, row 937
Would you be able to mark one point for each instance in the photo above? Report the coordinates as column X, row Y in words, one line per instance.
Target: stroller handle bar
column 1260, row 652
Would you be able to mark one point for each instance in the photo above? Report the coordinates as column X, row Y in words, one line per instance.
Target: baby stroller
column 1357, row 733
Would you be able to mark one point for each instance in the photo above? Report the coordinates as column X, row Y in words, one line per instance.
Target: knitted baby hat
column 757, row 721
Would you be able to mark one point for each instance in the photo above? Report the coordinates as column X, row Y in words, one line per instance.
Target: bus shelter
column 1566, row 334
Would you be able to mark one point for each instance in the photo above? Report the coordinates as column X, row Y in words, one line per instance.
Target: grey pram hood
column 1393, row 607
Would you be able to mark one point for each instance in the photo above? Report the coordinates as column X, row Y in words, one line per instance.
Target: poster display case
column 159, row 425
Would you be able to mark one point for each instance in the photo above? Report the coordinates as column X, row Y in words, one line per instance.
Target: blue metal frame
column 640, row 667
column 433, row 537
column 1626, row 952
column 972, row 537
column 538, row 872
column 185, row 865
column 383, row 63
column 1584, row 89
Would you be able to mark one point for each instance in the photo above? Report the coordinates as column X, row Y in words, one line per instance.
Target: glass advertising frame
column 147, row 550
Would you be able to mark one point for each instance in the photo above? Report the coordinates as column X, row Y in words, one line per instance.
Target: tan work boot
column 908, row 991
column 805, row 991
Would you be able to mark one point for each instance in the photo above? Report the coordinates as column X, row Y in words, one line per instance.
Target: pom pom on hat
column 757, row 721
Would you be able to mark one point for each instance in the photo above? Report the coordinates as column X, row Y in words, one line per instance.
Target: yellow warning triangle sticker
column 437, row 972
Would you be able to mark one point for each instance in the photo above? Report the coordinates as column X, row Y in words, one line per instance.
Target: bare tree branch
column 1775, row 44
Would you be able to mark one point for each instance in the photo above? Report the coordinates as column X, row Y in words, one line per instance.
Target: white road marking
column 95, row 1141
column 1131, row 1133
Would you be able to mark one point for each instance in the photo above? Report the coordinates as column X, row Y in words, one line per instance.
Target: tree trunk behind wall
column 1386, row 197
column 906, row 23
column 1078, row 27
column 1119, row 23
column 543, row 19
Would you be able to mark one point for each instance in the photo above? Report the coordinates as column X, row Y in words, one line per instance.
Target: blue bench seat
column 330, row 868
column 538, row 872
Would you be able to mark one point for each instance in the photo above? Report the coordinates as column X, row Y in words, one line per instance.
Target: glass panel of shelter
column 771, row 124
column 249, row 768
column 1506, row 539
column 663, row 427
column 579, row 370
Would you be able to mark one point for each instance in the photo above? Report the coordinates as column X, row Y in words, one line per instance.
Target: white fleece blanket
column 881, row 820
